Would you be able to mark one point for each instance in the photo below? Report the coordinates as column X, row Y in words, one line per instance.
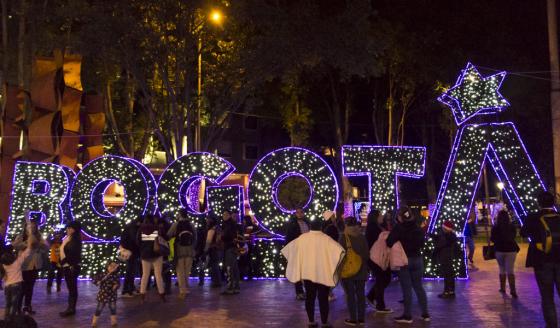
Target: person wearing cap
column 411, row 237
column 445, row 245
column 297, row 226
column 313, row 258
column 70, row 258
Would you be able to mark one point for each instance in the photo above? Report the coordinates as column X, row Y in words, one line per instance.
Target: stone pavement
column 271, row 303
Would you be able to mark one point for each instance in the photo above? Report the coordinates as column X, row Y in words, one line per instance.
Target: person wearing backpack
column 185, row 240
column 411, row 237
column 543, row 230
column 354, row 278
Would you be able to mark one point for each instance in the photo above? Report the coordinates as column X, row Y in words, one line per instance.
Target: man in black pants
column 297, row 225
column 230, row 232
column 128, row 241
column 543, row 229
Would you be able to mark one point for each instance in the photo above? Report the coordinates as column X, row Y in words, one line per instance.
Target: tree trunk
column 554, row 87
column 129, row 94
column 111, row 118
column 21, row 44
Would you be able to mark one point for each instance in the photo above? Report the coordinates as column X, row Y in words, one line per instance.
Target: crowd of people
column 320, row 253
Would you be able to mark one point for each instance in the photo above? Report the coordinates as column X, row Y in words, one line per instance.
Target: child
column 445, row 249
column 54, row 257
column 13, row 279
column 109, row 284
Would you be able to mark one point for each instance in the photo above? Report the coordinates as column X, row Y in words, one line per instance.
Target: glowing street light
column 216, row 16
column 500, row 185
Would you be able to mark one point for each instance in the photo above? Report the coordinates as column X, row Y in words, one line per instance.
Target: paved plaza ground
column 271, row 303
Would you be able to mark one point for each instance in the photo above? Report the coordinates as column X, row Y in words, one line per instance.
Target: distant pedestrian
column 445, row 246
column 108, row 283
column 377, row 223
column 543, row 229
column 354, row 286
column 314, row 258
column 411, row 236
column 503, row 236
column 469, row 232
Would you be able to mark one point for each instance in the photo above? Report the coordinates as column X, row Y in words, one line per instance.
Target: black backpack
column 185, row 236
column 549, row 225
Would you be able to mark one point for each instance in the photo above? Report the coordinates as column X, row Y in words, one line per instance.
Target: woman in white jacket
column 314, row 258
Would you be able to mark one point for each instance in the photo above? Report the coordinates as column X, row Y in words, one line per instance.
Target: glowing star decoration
column 179, row 177
column 502, row 147
column 383, row 165
column 224, row 198
column 280, row 164
column 473, row 95
column 39, row 191
column 87, row 204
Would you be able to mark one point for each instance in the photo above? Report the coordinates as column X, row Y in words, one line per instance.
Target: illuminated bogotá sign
column 54, row 194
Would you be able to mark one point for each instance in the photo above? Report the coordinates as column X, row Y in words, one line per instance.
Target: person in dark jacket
column 411, row 237
column 230, row 236
column 546, row 264
column 151, row 254
column 445, row 244
column 376, row 224
column 128, row 241
column 70, row 258
column 296, row 226
column 506, row 248
column 354, row 286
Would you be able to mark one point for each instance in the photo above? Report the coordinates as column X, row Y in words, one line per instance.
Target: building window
column 250, row 152
column 251, row 122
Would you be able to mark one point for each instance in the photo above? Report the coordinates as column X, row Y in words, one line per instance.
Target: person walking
column 314, row 258
column 506, row 248
column 411, row 237
column 469, row 232
column 33, row 263
column 230, row 236
column 128, row 242
column 297, row 226
column 543, row 255
column 108, row 283
column 70, row 258
column 55, row 269
column 444, row 251
column 152, row 250
column 354, row 286
column 376, row 224
column 185, row 240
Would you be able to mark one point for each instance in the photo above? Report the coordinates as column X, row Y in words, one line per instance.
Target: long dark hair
column 503, row 220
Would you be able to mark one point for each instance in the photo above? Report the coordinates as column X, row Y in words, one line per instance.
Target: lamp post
column 216, row 17
column 500, row 186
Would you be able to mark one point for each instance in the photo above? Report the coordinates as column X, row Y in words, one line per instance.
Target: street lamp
column 216, row 17
column 500, row 186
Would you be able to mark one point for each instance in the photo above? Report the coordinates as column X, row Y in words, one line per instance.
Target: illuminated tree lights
column 273, row 168
column 39, row 190
column 383, row 165
column 474, row 95
column 87, row 204
column 224, row 198
column 180, row 175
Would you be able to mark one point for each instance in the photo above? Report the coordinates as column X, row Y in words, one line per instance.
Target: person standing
column 411, row 237
column 11, row 262
column 109, row 284
column 70, row 258
column 314, row 258
column 506, row 248
column 185, row 240
column 376, row 224
column 33, row 263
column 297, row 226
column 55, row 269
column 151, row 254
column 354, row 286
column 469, row 233
column 445, row 244
column 214, row 248
column 230, row 235
column 128, row 241
column 543, row 229
column 201, row 255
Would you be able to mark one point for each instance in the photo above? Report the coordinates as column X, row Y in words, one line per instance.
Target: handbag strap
column 348, row 242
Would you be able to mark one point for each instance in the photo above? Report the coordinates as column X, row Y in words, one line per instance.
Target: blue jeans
column 548, row 278
column 355, row 298
column 469, row 241
column 232, row 268
column 13, row 294
column 410, row 278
